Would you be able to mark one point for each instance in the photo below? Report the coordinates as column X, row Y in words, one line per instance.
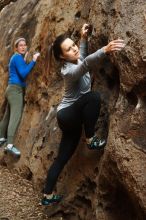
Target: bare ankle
column 88, row 140
column 48, row 196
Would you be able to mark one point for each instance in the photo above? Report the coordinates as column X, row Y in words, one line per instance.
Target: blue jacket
column 19, row 69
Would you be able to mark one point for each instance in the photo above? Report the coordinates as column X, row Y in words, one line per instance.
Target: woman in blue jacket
column 18, row 71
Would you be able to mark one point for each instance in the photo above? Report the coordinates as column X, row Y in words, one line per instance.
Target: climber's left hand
column 115, row 45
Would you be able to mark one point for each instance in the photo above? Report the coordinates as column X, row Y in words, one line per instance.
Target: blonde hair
column 18, row 40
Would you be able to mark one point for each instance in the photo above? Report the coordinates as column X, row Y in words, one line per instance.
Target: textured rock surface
column 96, row 186
column 3, row 3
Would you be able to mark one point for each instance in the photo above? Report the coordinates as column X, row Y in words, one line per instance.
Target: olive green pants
column 10, row 122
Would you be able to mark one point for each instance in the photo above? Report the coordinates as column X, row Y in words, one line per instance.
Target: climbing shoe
column 10, row 148
column 54, row 199
column 2, row 141
column 96, row 144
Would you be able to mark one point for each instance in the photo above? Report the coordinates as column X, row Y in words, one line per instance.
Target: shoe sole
column 53, row 203
column 98, row 148
column 11, row 153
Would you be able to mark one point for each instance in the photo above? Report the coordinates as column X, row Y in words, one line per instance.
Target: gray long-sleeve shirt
column 76, row 77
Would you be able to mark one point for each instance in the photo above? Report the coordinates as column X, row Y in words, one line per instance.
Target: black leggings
column 85, row 111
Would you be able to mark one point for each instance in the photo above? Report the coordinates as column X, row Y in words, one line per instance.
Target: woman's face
column 70, row 50
column 22, row 47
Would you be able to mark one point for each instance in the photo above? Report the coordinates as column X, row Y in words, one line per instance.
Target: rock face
column 109, row 185
column 3, row 3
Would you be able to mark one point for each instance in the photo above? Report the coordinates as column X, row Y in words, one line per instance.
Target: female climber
column 80, row 106
column 18, row 71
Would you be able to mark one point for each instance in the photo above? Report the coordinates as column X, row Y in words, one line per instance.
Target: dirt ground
column 18, row 200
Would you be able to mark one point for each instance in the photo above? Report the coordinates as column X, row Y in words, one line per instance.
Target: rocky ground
column 18, row 200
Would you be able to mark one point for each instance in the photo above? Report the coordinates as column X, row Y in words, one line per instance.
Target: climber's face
column 21, row 47
column 70, row 51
